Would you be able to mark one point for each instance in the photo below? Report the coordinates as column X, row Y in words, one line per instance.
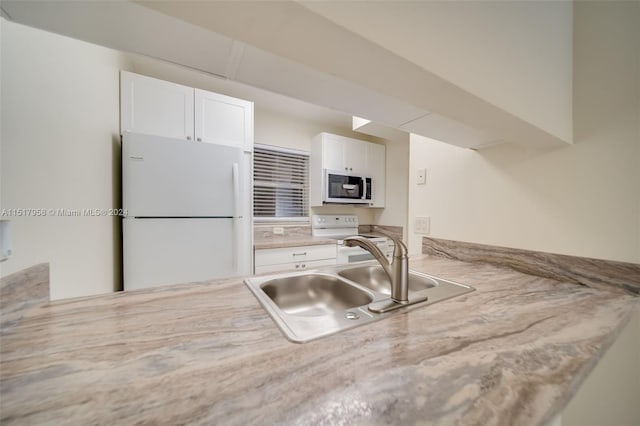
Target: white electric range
column 342, row 226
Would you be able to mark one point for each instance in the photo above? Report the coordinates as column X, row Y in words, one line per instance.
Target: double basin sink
column 314, row 304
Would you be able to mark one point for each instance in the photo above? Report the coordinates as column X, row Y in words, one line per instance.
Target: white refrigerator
column 187, row 211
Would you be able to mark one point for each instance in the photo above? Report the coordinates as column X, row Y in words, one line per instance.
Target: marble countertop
column 512, row 352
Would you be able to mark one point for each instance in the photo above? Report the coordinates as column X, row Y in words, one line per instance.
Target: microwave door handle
column 364, row 188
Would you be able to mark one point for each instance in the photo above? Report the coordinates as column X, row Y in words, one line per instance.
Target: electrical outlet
column 422, row 225
column 278, row 230
column 421, row 178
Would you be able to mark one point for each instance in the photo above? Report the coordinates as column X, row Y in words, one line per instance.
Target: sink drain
column 351, row 315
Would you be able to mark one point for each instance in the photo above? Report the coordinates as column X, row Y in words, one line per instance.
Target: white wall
column 580, row 200
column 514, row 54
column 397, row 180
column 60, row 149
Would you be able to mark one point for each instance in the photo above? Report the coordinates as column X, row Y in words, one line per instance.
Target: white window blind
column 280, row 183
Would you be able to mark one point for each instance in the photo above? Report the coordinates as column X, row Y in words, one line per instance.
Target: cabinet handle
column 346, row 168
column 300, row 254
column 199, row 139
column 297, row 266
column 304, row 266
column 350, row 169
column 188, row 138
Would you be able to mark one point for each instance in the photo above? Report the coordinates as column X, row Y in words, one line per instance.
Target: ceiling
column 517, row 55
column 260, row 48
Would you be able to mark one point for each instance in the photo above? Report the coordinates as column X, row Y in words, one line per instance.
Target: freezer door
column 164, row 177
column 174, row 251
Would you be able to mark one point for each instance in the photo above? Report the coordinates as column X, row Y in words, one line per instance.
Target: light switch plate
column 422, row 225
column 422, row 177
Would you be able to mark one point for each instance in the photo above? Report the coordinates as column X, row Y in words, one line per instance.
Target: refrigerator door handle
column 236, row 192
column 236, row 219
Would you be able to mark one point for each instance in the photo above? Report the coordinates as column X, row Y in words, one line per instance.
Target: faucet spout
column 371, row 248
column 397, row 270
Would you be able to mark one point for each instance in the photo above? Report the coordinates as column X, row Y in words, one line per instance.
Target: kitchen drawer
column 295, row 266
column 294, row 254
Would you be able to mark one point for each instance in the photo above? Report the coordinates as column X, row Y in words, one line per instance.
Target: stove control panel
column 334, row 221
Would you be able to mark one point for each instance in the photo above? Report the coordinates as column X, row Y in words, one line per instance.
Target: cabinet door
column 333, row 153
column 355, row 154
column 376, row 168
column 344, row 154
column 155, row 107
column 223, row 120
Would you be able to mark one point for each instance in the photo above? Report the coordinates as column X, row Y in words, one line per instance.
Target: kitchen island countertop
column 512, row 352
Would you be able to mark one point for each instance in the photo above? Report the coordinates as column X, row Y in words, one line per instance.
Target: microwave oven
column 346, row 188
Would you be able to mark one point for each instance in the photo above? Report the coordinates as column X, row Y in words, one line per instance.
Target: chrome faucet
column 397, row 270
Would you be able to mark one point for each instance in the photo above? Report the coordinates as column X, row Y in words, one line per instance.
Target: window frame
column 287, row 219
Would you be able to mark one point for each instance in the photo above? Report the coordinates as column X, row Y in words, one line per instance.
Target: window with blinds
column 280, row 183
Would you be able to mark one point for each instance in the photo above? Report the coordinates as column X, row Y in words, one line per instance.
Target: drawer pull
column 304, row 253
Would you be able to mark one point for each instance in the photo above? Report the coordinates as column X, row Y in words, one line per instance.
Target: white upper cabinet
column 155, row 107
column 223, row 120
column 344, row 154
column 331, row 151
column 355, row 155
column 349, row 156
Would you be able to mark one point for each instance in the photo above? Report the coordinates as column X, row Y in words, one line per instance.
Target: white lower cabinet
column 294, row 258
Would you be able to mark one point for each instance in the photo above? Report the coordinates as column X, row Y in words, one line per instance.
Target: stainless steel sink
column 313, row 295
column 374, row 278
column 313, row 304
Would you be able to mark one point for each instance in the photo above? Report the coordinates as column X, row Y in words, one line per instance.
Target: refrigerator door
column 164, row 177
column 175, row 251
